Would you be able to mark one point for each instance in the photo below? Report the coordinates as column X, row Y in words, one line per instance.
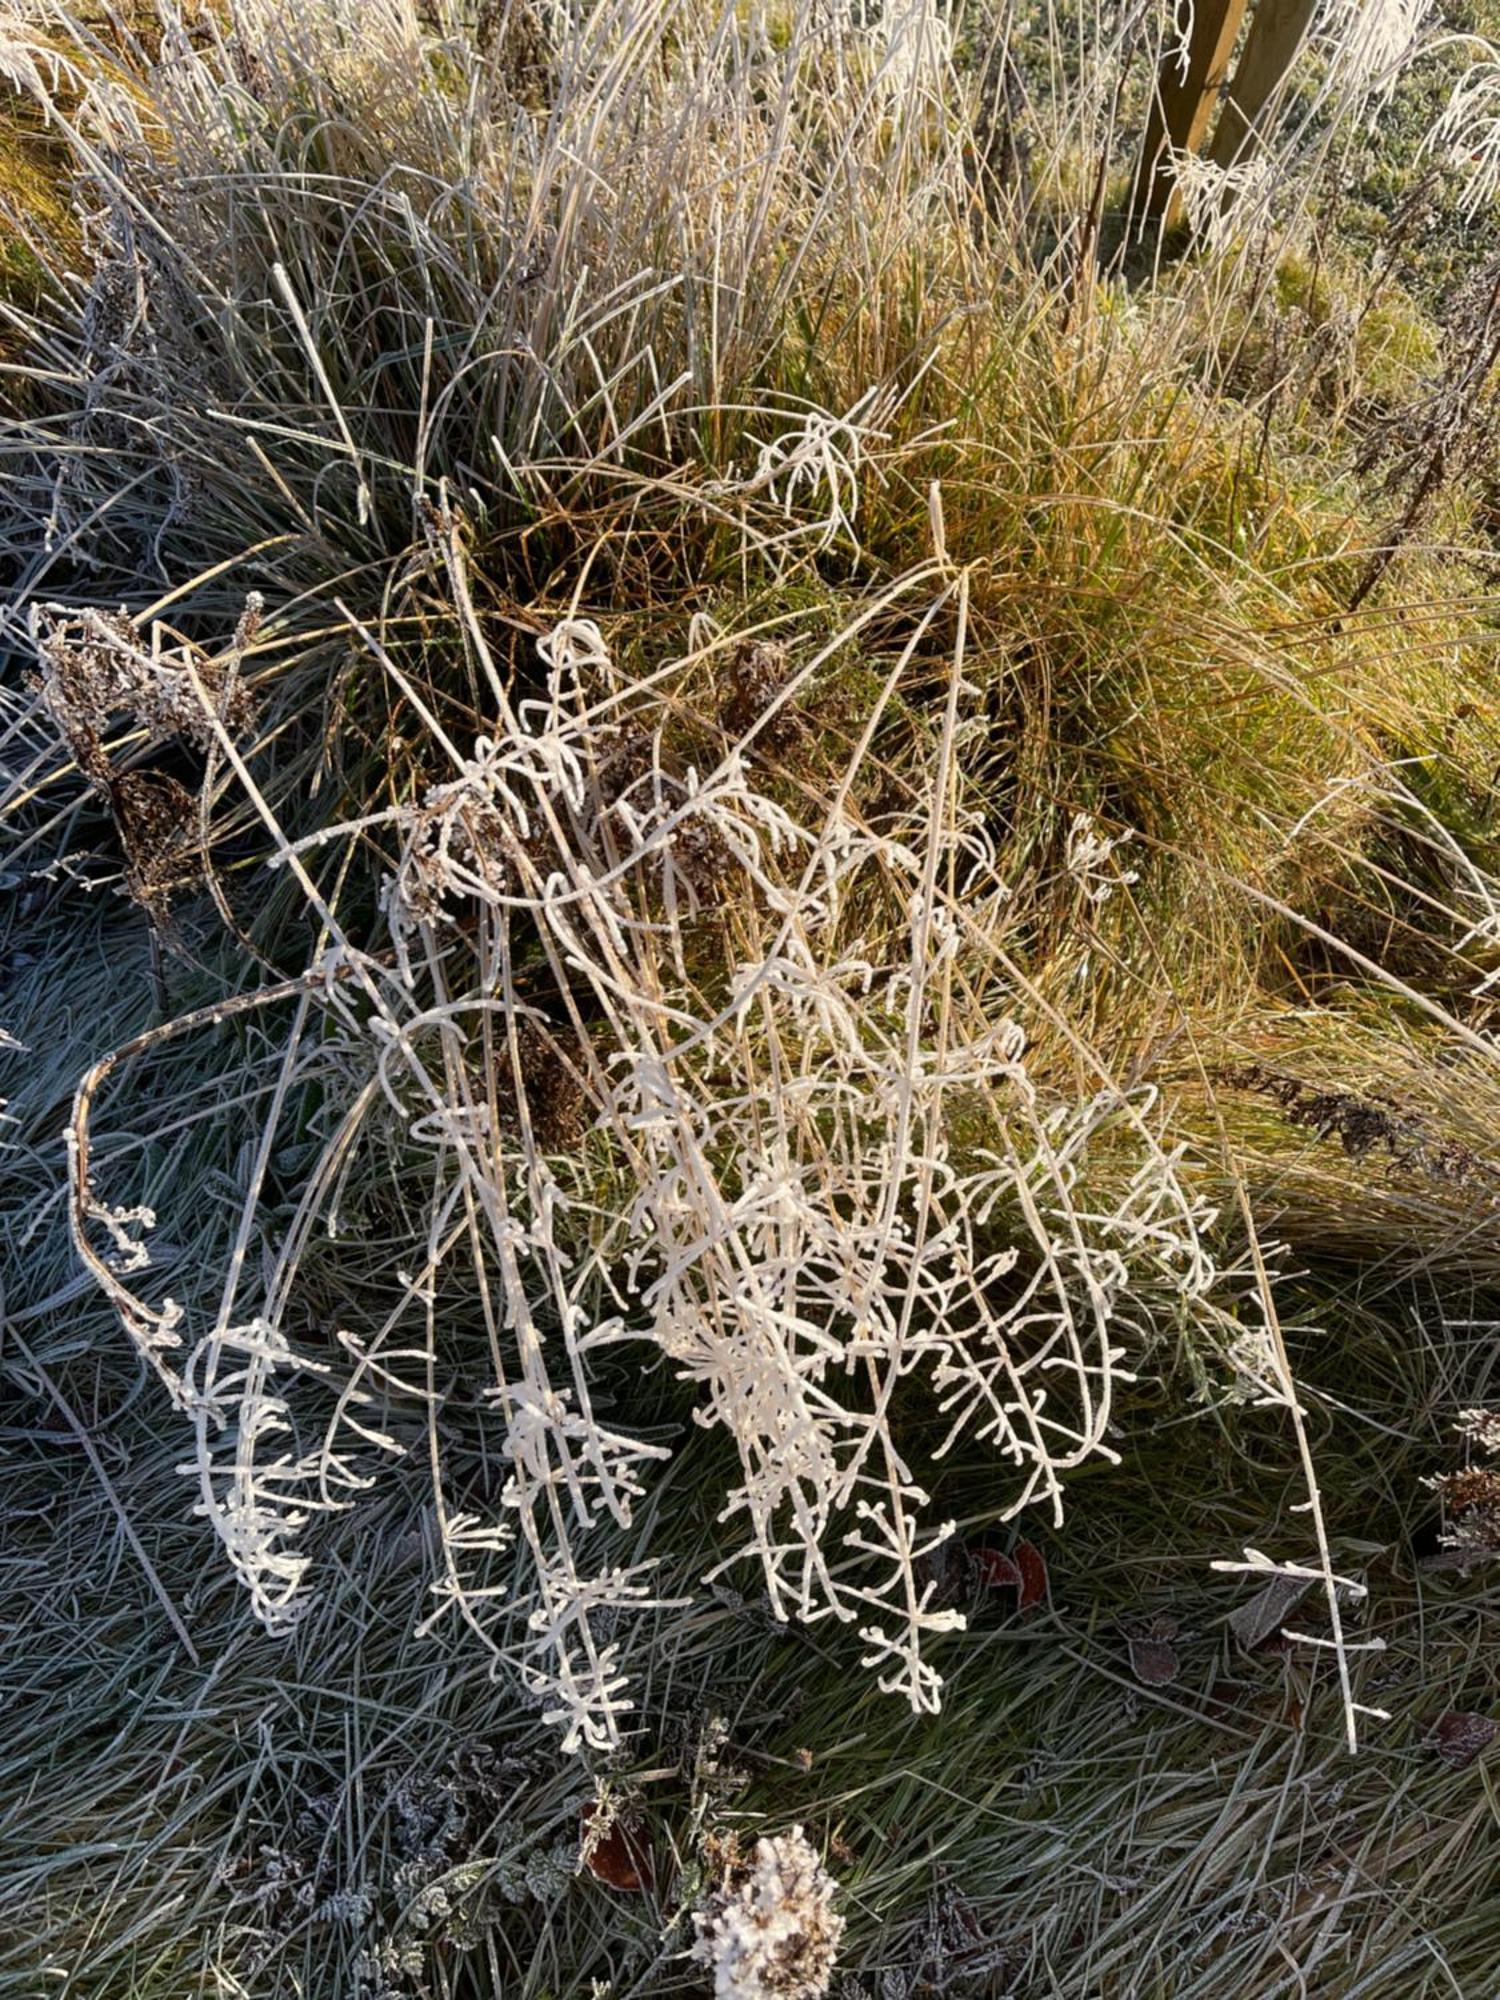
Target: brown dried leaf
column 1153, row 1657
column 1461, row 1735
column 1154, row 1662
column 617, row 1857
column 1260, row 1618
column 996, row 1570
column 1033, row 1569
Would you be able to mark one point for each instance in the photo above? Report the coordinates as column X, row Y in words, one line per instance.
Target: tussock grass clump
column 768, row 838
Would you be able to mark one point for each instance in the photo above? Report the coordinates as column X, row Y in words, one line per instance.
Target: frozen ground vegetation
column 748, row 981
column 698, row 1047
column 687, row 1067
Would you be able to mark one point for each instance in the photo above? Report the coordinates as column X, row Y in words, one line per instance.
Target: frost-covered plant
column 1371, row 41
column 1088, row 855
column 772, row 1933
column 1221, row 202
column 96, row 669
column 759, row 1025
column 1468, row 133
column 1481, row 1427
column 1471, row 1497
column 678, row 1049
column 1178, row 45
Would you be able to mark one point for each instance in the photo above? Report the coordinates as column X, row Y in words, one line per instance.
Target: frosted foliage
column 917, row 46
column 1178, row 46
column 688, row 1070
column 1089, row 859
column 1371, row 41
column 1223, row 203
column 1468, row 135
column 774, row 1934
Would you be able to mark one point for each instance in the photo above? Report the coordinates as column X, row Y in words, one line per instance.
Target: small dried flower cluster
column 1471, row 1497
column 1365, row 1126
column 772, row 1932
column 96, row 671
column 96, row 668
column 757, row 678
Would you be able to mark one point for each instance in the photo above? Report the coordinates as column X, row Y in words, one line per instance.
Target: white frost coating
column 1088, row 859
column 774, row 1935
column 1468, row 135
column 1370, row 42
column 804, row 1163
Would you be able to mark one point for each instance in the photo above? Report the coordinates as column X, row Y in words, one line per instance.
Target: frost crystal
column 773, row 1934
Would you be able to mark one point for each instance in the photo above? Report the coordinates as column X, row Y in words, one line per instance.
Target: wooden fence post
column 1184, row 103
column 1278, row 28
